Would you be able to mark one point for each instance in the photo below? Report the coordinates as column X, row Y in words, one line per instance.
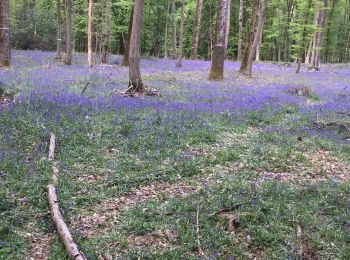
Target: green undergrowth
column 104, row 155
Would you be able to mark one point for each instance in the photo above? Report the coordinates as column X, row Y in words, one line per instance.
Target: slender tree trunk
column 59, row 40
column 303, row 38
column 68, row 59
column 73, row 31
column 228, row 23
column 89, row 32
column 210, row 30
column 125, row 61
column 181, row 40
column 308, row 55
column 259, row 31
column 106, row 35
column 257, row 54
column 96, row 45
column 252, row 21
column 196, row 30
column 5, row 47
column 166, row 34
column 317, row 60
column 240, row 30
column 173, row 11
column 218, row 59
column 135, row 81
column 156, row 49
column 317, row 37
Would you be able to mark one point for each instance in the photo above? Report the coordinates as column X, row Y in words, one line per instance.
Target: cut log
column 61, row 226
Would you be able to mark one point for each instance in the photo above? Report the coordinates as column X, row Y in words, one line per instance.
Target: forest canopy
column 289, row 24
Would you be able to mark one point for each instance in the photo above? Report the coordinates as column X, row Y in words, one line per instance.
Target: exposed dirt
column 40, row 243
column 6, row 100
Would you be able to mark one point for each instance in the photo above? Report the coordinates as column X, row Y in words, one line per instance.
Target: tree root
column 150, row 92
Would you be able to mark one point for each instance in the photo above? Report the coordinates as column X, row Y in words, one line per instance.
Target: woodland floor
column 246, row 168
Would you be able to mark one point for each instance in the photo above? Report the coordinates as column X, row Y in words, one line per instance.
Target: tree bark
column 252, row 21
column 196, row 30
column 259, row 31
column 5, row 46
column 135, row 81
column 210, row 31
column 59, row 40
column 57, row 218
column 257, row 53
column 89, row 32
column 181, row 36
column 61, row 226
column 240, row 30
column 217, row 64
column 301, row 51
column 166, row 33
column 228, row 23
column 106, row 35
column 125, row 61
column 320, row 18
column 68, row 59
column 173, row 11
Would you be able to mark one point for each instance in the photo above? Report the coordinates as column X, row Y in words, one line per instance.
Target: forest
column 174, row 129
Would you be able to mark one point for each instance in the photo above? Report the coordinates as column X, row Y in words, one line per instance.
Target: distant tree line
column 309, row 31
column 288, row 27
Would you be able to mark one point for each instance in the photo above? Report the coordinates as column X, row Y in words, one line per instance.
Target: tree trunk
column 218, row 58
column 59, row 40
column 196, row 30
column 125, row 61
column 68, row 59
column 173, row 11
column 5, row 47
column 89, row 32
column 259, row 31
column 73, row 26
column 247, row 50
column 135, row 81
column 257, row 53
column 181, row 40
column 159, row 27
column 166, row 33
column 228, row 23
column 240, row 30
column 303, row 38
column 317, row 37
column 210, row 31
column 106, row 35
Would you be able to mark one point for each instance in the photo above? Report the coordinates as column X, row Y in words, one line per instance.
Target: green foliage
column 287, row 33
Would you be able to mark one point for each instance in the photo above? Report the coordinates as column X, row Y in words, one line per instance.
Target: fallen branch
column 229, row 209
column 57, row 218
column 61, row 226
column 87, row 84
column 52, row 147
column 197, row 233
column 321, row 124
column 344, row 113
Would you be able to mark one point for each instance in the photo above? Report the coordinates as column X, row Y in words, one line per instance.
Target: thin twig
column 87, row 84
column 197, row 233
